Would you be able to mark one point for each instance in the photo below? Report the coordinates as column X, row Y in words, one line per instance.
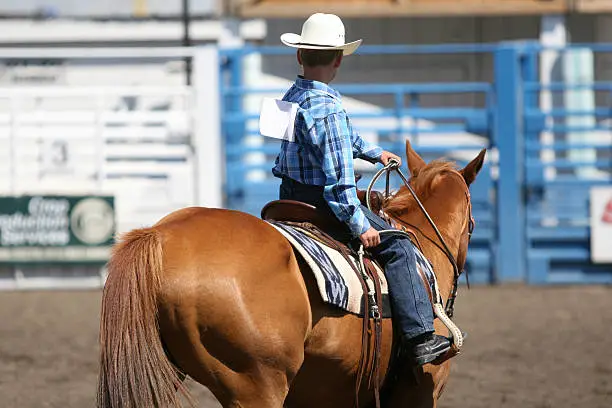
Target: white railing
column 155, row 148
column 79, row 141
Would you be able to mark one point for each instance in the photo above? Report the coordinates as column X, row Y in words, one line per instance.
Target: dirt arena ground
column 528, row 348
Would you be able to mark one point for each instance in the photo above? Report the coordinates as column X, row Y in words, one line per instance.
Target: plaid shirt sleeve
column 340, row 192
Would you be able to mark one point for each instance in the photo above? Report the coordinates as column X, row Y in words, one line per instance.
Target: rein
column 394, row 165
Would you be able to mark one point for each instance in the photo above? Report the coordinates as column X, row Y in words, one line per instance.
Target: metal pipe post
column 187, row 40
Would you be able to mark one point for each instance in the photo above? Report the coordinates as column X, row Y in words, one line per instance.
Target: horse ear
column 470, row 171
column 414, row 161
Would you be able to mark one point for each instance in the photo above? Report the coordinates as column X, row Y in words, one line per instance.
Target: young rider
column 317, row 168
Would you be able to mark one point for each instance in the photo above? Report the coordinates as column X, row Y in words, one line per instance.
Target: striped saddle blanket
column 336, row 280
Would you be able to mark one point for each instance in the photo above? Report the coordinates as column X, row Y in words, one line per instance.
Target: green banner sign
column 56, row 228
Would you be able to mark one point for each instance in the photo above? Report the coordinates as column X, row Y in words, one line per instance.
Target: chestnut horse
column 220, row 295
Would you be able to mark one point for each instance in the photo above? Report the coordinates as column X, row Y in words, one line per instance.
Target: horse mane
column 421, row 182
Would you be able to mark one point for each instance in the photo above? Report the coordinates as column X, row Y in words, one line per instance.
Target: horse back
column 232, row 281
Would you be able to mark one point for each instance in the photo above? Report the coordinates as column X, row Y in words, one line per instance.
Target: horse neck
column 446, row 209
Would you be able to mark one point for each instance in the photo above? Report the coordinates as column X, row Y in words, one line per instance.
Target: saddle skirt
column 337, row 280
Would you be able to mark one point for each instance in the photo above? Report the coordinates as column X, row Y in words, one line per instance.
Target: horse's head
column 443, row 189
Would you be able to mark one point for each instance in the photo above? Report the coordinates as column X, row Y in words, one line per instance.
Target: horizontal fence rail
column 532, row 199
column 567, row 153
column 115, row 126
column 457, row 132
column 537, row 202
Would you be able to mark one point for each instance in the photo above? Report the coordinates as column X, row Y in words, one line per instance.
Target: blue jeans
column 412, row 309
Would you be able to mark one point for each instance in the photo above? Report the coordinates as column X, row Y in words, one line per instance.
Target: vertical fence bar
column 529, row 65
column 553, row 35
column 509, row 140
column 399, row 142
column 234, row 129
column 14, row 128
column 414, row 129
column 207, row 127
column 100, row 141
column 531, row 102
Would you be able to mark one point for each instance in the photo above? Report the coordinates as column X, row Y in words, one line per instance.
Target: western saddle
column 299, row 212
column 321, row 226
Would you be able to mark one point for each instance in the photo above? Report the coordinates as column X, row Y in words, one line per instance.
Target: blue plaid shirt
column 324, row 148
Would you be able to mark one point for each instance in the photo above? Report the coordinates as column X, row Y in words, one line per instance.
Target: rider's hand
column 370, row 238
column 387, row 156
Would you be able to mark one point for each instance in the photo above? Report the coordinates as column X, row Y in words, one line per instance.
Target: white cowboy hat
column 321, row 32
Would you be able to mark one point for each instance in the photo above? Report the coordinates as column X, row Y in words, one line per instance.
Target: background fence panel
column 455, row 132
column 567, row 150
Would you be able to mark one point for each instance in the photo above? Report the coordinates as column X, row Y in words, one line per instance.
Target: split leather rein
column 394, row 166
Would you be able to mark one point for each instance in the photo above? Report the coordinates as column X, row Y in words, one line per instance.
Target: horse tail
column 135, row 371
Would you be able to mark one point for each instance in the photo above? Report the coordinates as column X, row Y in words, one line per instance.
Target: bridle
column 394, row 166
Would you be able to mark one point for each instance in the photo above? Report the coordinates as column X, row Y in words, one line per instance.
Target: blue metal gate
column 532, row 219
column 458, row 132
column 549, row 160
column 566, row 153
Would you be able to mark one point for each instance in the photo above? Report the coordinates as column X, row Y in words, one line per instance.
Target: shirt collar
column 303, row 83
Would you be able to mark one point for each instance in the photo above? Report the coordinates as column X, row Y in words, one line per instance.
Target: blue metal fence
column 515, row 238
column 557, row 180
